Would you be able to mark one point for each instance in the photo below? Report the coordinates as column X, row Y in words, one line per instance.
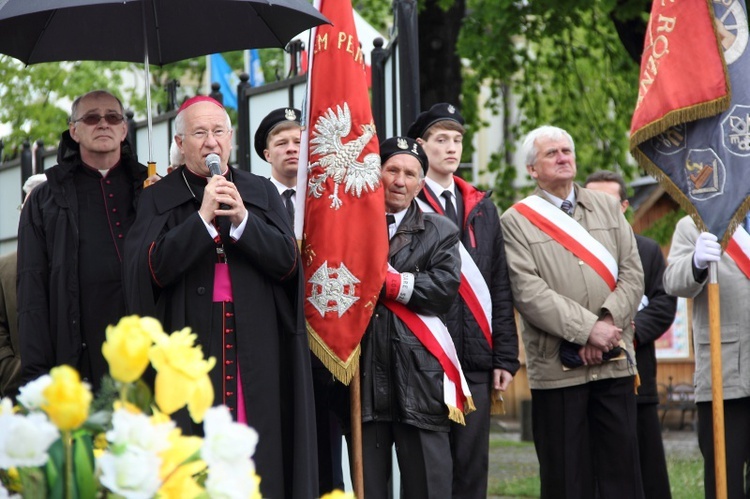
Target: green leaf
column 83, row 462
column 32, row 482
column 98, row 422
column 140, row 395
column 55, row 470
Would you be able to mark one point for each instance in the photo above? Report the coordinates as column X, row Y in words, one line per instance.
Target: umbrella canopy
column 149, row 31
column 115, row 30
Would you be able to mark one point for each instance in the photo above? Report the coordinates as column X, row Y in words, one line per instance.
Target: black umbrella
column 34, row 31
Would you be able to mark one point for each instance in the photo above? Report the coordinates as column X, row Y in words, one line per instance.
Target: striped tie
column 567, row 206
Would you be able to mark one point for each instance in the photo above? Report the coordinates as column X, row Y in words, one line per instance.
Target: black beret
column 403, row 145
column 441, row 111
column 269, row 122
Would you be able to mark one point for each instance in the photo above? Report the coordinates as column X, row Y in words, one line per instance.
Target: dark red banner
column 345, row 243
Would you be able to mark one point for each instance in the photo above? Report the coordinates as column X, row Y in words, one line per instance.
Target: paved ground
column 508, row 462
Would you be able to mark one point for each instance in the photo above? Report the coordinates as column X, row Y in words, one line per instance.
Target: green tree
column 556, row 62
column 30, row 95
column 36, row 99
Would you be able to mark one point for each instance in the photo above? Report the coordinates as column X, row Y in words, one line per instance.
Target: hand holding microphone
column 213, row 162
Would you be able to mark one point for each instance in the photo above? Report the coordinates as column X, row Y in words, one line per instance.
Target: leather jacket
column 401, row 380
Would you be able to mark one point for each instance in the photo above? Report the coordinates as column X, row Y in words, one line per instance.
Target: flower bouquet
column 54, row 445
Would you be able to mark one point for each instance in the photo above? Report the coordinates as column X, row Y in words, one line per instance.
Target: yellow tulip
column 181, row 374
column 181, row 448
column 67, row 399
column 178, row 479
column 127, row 347
column 338, row 494
column 256, row 495
column 180, row 485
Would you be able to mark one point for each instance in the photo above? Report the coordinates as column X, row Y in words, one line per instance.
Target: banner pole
column 717, row 385
column 355, row 406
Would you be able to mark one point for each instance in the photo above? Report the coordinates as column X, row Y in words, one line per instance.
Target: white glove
column 707, row 249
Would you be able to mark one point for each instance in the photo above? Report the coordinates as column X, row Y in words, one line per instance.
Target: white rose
column 134, row 474
column 6, row 407
column 24, row 440
column 225, row 441
column 236, row 481
column 31, row 395
column 136, row 429
column 4, row 494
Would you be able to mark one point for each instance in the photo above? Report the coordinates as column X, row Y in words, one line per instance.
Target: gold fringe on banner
column 341, row 370
column 679, row 116
column 690, row 113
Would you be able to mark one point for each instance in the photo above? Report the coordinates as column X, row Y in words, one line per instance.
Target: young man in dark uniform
column 485, row 335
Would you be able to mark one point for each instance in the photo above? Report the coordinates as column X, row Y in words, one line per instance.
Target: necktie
column 450, row 209
column 390, row 220
column 567, row 206
column 288, row 194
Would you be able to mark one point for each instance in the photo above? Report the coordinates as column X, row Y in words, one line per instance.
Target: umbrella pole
column 151, row 162
column 355, row 406
column 717, row 385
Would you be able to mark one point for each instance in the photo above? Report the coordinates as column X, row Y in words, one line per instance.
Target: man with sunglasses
column 70, row 243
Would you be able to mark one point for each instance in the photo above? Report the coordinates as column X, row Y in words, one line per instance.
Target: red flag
column 678, row 85
column 344, row 239
column 690, row 125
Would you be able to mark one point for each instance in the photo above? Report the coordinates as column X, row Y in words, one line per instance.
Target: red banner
column 678, row 84
column 690, row 127
column 344, row 240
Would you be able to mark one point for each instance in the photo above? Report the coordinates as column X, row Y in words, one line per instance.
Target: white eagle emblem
column 339, row 159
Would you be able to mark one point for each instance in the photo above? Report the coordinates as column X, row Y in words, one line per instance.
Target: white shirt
column 558, row 202
column 282, row 189
column 439, row 189
column 394, row 226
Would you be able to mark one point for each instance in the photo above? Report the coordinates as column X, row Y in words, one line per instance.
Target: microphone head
column 213, row 162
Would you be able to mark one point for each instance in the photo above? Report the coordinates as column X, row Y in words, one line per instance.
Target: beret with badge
column 271, row 121
column 441, row 111
column 403, row 145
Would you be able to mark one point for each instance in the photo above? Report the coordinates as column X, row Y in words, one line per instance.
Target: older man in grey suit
column 577, row 281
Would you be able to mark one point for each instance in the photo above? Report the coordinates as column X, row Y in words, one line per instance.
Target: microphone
column 213, row 162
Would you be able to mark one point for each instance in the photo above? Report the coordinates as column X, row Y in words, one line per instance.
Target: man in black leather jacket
column 402, row 382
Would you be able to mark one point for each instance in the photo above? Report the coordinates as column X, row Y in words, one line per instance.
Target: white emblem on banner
column 333, row 289
column 339, row 159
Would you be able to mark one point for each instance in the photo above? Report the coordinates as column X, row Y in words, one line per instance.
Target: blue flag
column 222, row 74
column 254, row 69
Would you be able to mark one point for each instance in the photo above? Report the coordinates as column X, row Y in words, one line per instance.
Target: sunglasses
column 94, row 119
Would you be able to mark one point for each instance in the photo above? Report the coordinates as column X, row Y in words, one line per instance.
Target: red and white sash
column 433, row 334
column 738, row 250
column 473, row 288
column 571, row 235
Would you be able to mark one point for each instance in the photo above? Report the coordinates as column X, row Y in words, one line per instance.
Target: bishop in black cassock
column 241, row 292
